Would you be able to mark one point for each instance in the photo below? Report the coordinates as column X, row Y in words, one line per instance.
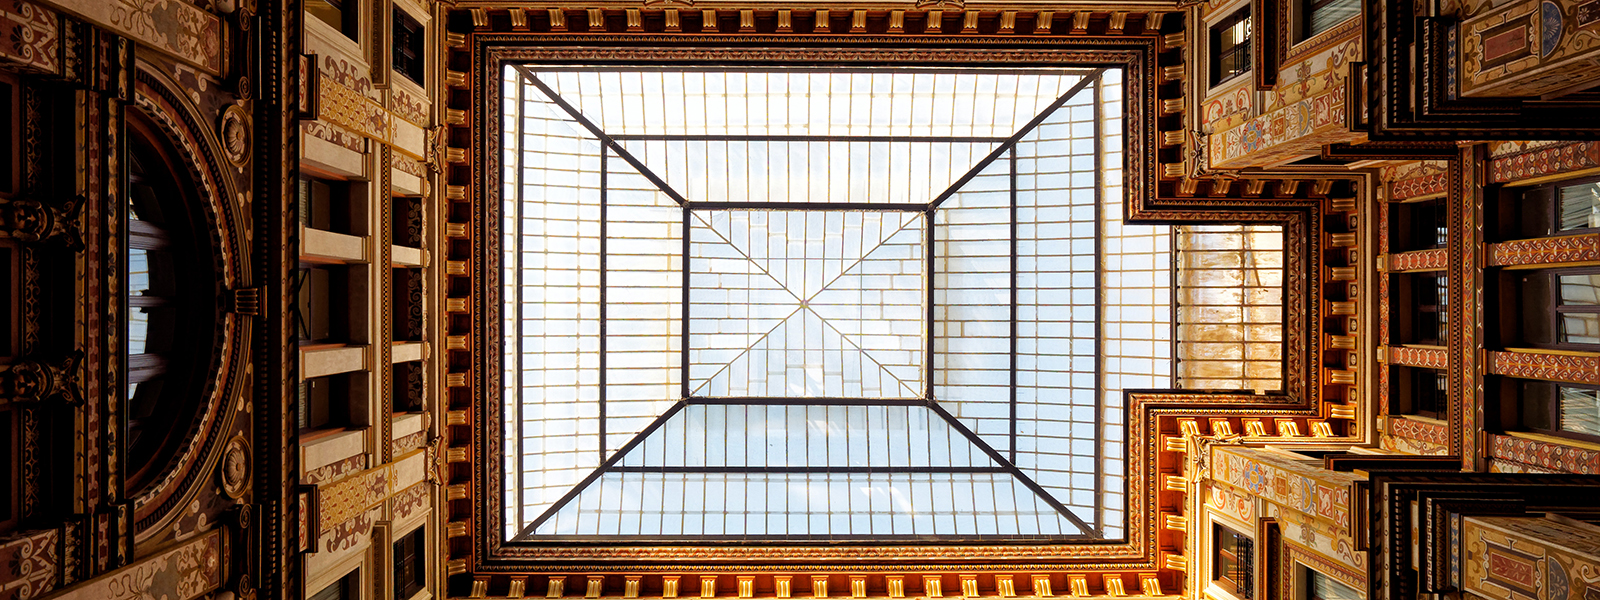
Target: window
column 170, row 277
column 408, row 47
column 326, row 204
column 325, row 402
column 1323, row 587
column 1231, row 561
column 410, row 564
column 1230, row 47
column 1420, row 225
column 1568, row 410
column 346, row 588
column 1426, row 392
column 1317, row 16
column 342, row 15
column 1230, row 306
column 1429, row 297
column 1578, row 206
column 1561, row 308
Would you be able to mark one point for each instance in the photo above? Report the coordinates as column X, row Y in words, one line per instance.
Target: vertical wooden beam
column 1466, row 296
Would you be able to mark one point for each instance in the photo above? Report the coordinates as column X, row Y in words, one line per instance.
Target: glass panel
column 1329, row 13
column 1580, row 290
column 1580, row 328
column 1230, row 307
column 1323, row 587
column 138, row 271
column 1579, row 206
column 822, row 312
column 330, row 12
column 1580, row 410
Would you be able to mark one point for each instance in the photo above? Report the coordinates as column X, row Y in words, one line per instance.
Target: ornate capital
column 34, row 381
column 36, row 222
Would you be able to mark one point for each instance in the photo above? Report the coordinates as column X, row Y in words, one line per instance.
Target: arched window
column 170, row 303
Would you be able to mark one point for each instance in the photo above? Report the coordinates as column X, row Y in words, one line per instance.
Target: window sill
column 405, row 424
column 332, row 361
column 1421, row 419
column 324, row 447
column 1553, row 351
column 1553, row 439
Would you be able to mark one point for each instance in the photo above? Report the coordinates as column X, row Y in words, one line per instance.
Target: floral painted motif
column 1558, row 457
column 188, row 571
column 32, row 35
column 1547, row 250
column 176, row 27
column 1541, row 160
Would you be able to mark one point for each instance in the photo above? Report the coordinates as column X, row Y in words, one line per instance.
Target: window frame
column 1304, row 13
column 1244, row 568
column 1555, row 309
column 1551, row 408
column 415, row 544
column 413, row 68
column 349, row 16
column 1214, row 44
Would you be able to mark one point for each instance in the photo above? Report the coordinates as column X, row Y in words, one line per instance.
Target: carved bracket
column 34, row 381
column 36, row 222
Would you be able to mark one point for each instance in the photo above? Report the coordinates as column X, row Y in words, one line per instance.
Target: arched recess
column 167, row 138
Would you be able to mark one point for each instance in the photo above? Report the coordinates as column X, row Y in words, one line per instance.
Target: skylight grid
column 552, row 278
column 899, row 102
column 1122, row 367
column 818, row 350
column 806, row 304
column 1230, row 307
column 1057, row 308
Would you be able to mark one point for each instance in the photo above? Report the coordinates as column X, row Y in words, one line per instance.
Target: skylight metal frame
column 1005, row 150
column 489, row 50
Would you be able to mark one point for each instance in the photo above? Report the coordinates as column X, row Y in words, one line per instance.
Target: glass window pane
column 1580, row 410
column 1579, row 206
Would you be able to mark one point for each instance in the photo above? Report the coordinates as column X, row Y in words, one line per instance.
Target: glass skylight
column 843, row 304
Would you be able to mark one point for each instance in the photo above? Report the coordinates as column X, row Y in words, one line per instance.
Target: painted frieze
column 1530, row 48
column 188, row 571
column 1531, row 558
column 1539, row 453
column 1288, row 483
column 176, row 27
column 1543, row 160
column 33, row 36
column 1545, row 250
column 1552, row 367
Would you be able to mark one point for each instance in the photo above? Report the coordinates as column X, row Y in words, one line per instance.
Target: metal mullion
column 930, row 243
column 683, row 328
column 1099, row 307
column 605, row 140
column 604, row 467
column 806, row 138
column 774, row 401
column 995, row 456
column 1011, row 142
column 602, row 376
column 521, row 466
column 1012, row 430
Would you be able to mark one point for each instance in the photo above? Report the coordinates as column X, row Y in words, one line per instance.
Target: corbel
column 782, row 586
column 969, row 22
column 935, row 22
column 1041, row 585
column 672, row 22
column 555, row 586
column 1080, row 22
column 1041, row 25
column 597, row 20
column 820, row 22
column 519, row 19
column 630, row 585
column 819, row 586
column 708, row 21
column 932, row 586
column 785, row 21
column 558, row 19
column 30, row 381
column 858, row 21
column 1008, row 22
column 480, row 17
column 969, row 585
column 595, row 586
column 42, row 223
column 897, row 21
column 1119, row 20
column 747, row 586
column 747, row 20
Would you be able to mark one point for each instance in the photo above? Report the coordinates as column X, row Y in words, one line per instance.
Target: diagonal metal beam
column 1016, row 137
column 600, row 470
column 1011, row 468
column 604, row 139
